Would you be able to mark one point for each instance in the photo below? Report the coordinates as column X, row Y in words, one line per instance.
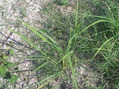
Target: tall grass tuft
column 65, row 41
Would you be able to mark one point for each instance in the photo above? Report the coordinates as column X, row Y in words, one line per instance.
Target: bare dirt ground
column 10, row 11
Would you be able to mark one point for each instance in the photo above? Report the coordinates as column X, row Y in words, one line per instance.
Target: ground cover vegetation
column 87, row 33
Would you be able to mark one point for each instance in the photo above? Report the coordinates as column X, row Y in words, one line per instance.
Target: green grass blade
column 49, row 77
column 96, row 16
column 28, row 41
column 51, row 39
column 101, row 48
column 36, row 32
column 116, row 87
column 44, row 84
column 58, row 48
column 77, row 10
column 40, row 67
column 48, row 81
column 65, row 56
column 42, row 37
column 70, row 43
column 92, row 25
column 73, row 72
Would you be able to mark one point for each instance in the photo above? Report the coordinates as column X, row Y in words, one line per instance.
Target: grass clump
column 69, row 39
